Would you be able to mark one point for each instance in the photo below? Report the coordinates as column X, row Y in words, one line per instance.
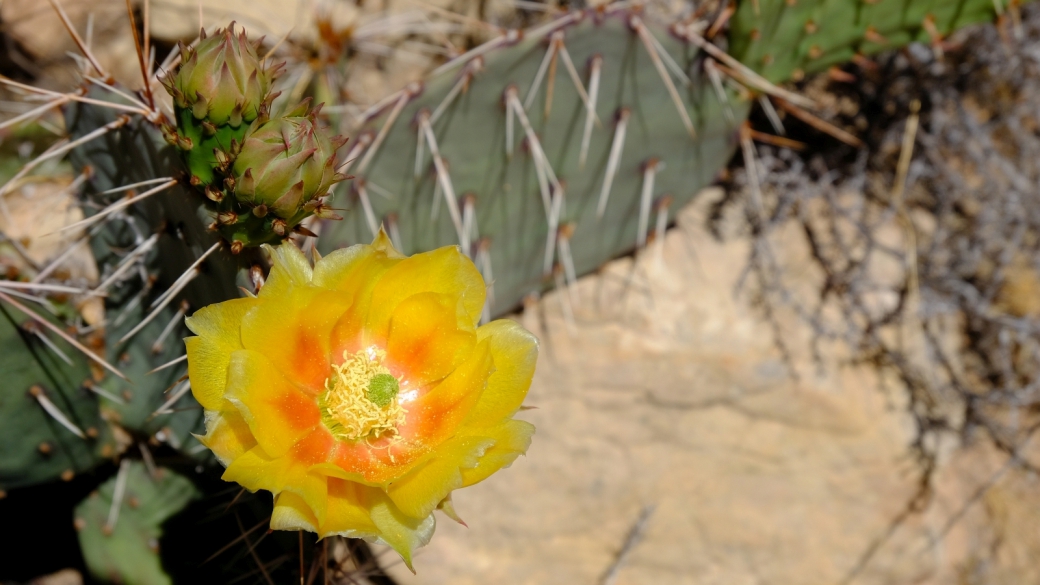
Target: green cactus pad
column 36, row 446
column 783, row 40
column 127, row 551
column 499, row 199
column 134, row 153
column 137, row 152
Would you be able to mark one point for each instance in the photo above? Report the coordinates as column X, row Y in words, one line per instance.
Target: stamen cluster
column 356, row 404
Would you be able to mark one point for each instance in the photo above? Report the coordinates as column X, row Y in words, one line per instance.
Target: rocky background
column 674, row 446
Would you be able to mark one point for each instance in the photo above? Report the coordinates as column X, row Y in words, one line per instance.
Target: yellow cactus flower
column 359, row 390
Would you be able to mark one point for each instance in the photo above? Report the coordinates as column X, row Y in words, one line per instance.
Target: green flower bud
column 222, row 80
column 286, row 163
column 219, row 89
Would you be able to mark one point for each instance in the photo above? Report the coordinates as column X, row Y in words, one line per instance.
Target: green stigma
column 382, row 389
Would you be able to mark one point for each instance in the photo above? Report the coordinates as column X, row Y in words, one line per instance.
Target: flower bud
column 219, row 89
column 222, row 80
column 285, row 163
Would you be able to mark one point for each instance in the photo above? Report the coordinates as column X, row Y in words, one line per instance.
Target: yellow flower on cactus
column 359, row 390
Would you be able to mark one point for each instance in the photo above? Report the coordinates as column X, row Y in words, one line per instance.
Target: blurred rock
column 1019, row 294
column 668, row 390
column 179, row 19
column 62, row 577
column 34, row 213
column 390, row 43
column 36, row 27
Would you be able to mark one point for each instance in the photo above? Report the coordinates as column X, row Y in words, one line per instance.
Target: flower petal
column 435, row 416
column 278, row 412
column 256, row 470
column 515, row 352
column 418, row 493
column 424, row 343
column 290, row 268
column 292, row 513
column 512, row 438
column 401, row 532
column 375, row 466
column 447, row 507
column 294, row 333
column 218, row 328
column 336, row 271
column 444, row 271
column 353, row 273
column 227, row 435
column 348, row 514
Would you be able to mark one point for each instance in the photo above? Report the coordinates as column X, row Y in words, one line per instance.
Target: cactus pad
column 176, row 225
column 37, row 447
column 786, row 40
column 507, row 179
column 120, row 543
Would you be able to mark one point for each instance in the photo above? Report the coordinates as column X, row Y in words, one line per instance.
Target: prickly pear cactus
column 546, row 155
column 156, row 246
column 785, row 40
column 261, row 174
column 50, row 419
column 120, row 524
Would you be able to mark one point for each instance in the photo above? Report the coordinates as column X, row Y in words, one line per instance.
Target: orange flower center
column 360, row 399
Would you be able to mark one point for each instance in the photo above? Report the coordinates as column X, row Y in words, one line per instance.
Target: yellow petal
column 278, row 413
column 384, row 244
column 512, row 438
column 333, row 470
column 348, row 511
column 227, row 435
column 219, row 333
column 289, row 269
column 222, row 320
column 515, row 352
column 256, row 470
column 424, row 344
column 447, row 507
column 443, row 271
column 434, row 416
column 294, row 333
column 292, row 513
column 353, row 277
column 418, row 493
column 401, row 532
column 336, row 271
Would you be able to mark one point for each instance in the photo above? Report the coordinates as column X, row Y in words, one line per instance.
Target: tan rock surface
column 669, row 392
column 103, row 24
column 33, row 214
